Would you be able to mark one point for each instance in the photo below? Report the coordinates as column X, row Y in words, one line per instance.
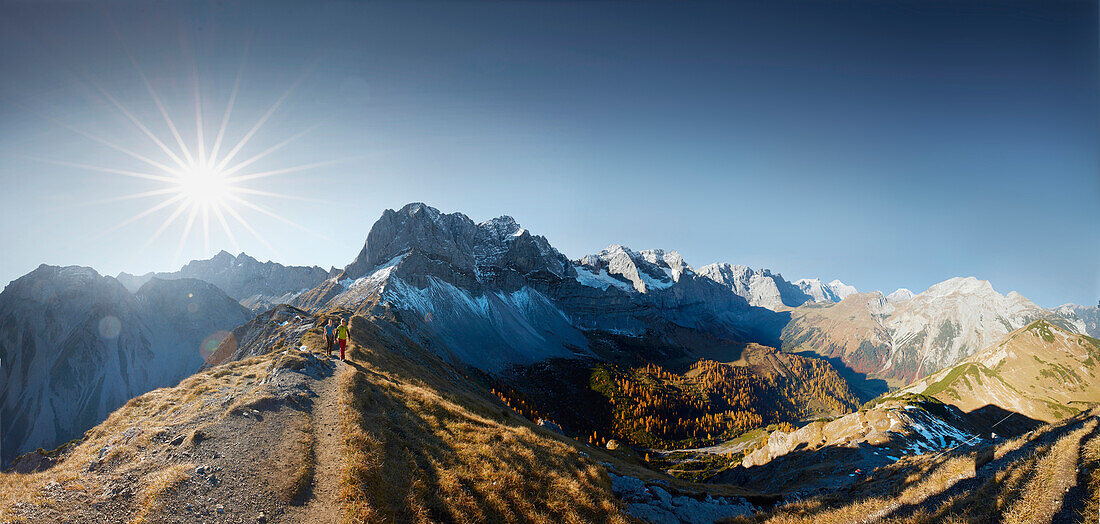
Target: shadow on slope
column 424, row 442
column 991, row 419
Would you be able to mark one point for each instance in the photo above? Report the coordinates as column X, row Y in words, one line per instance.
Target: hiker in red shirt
column 342, row 337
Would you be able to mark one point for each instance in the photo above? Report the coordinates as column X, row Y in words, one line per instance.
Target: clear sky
column 887, row 144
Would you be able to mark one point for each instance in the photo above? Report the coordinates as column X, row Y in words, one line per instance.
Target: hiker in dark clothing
column 330, row 337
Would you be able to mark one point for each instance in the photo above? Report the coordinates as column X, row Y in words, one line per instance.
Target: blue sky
column 885, row 144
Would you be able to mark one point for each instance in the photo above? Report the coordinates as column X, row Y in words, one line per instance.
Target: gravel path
column 323, row 504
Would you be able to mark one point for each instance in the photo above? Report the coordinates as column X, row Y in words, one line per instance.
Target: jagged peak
column 502, row 227
column 414, row 208
column 726, row 266
column 617, row 248
column 657, row 256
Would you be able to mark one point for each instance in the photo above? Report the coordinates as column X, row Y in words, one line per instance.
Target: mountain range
column 257, row 285
column 75, row 345
column 635, row 347
column 902, row 340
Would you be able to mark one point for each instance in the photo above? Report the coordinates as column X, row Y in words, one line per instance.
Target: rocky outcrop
column 76, row 345
column 653, row 503
column 895, row 429
column 281, row 327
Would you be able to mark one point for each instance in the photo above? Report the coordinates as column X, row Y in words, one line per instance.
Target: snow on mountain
column 1087, row 318
column 761, row 288
column 901, row 295
column 645, row 271
column 492, row 294
column 841, row 290
column 76, row 345
column 834, row 291
column 256, row 285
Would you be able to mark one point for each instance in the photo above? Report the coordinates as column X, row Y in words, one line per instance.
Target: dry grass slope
column 424, row 444
column 140, row 464
column 1049, row 475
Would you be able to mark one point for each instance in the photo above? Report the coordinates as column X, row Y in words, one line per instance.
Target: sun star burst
column 200, row 185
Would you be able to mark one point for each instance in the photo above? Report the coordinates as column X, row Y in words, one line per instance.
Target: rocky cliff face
column 834, row 291
column 1088, row 315
column 760, row 288
column 493, row 293
column 257, row 285
column 75, row 345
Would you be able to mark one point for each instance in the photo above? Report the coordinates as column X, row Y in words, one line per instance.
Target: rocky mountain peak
column 502, row 225
column 961, row 285
column 900, row 295
column 841, row 290
column 417, row 208
column 426, row 244
column 763, row 288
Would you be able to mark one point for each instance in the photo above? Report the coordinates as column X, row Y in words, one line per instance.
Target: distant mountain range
column 905, row 339
column 479, row 345
column 257, row 285
column 74, row 346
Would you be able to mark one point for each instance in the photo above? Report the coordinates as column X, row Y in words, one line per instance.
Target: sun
column 201, row 182
column 205, row 186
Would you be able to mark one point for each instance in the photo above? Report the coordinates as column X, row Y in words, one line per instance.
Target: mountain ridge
column 256, row 285
column 76, row 345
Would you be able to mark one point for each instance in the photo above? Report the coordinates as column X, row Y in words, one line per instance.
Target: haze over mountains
column 257, row 285
column 76, row 345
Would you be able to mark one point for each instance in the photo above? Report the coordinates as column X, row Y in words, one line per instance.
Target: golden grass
column 118, row 445
column 156, row 485
column 423, row 445
column 1090, row 459
column 1029, row 488
column 130, row 430
column 305, row 449
column 1041, row 495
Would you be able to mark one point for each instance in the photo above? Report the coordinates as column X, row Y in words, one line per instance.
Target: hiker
column 330, row 337
column 342, row 337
